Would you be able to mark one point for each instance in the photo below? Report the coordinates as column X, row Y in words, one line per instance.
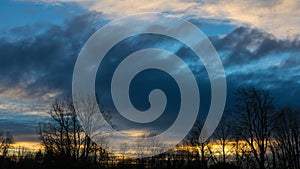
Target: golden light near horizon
column 28, row 145
column 213, row 147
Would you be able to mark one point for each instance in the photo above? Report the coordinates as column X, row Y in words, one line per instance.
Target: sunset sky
column 257, row 41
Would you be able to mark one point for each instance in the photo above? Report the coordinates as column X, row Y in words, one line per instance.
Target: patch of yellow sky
column 215, row 147
column 30, row 146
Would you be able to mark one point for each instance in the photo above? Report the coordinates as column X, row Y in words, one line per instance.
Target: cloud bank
column 278, row 17
column 39, row 66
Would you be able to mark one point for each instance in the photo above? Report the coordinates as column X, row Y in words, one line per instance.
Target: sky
column 40, row 40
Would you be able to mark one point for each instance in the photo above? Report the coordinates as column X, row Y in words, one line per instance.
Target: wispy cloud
column 279, row 17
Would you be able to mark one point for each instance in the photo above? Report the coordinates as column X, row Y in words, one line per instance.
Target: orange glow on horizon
column 215, row 147
column 27, row 145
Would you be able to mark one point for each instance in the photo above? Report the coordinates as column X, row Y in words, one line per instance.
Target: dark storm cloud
column 37, row 60
column 255, row 58
column 245, row 45
column 44, row 61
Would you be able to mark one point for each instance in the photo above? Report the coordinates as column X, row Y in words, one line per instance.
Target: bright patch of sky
column 211, row 27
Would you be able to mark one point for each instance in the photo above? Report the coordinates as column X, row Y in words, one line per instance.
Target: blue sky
column 40, row 41
column 17, row 13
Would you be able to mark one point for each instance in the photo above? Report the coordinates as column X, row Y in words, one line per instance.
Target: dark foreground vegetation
column 254, row 134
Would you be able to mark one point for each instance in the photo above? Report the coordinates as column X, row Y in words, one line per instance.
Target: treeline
column 254, row 134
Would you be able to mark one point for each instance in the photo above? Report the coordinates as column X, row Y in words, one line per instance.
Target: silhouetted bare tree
column 88, row 112
column 223, row 135
column 254, row 113
column 124, row 148
column 202, row 149
column 286, row 142
column 6, row 140
column 62, row 134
